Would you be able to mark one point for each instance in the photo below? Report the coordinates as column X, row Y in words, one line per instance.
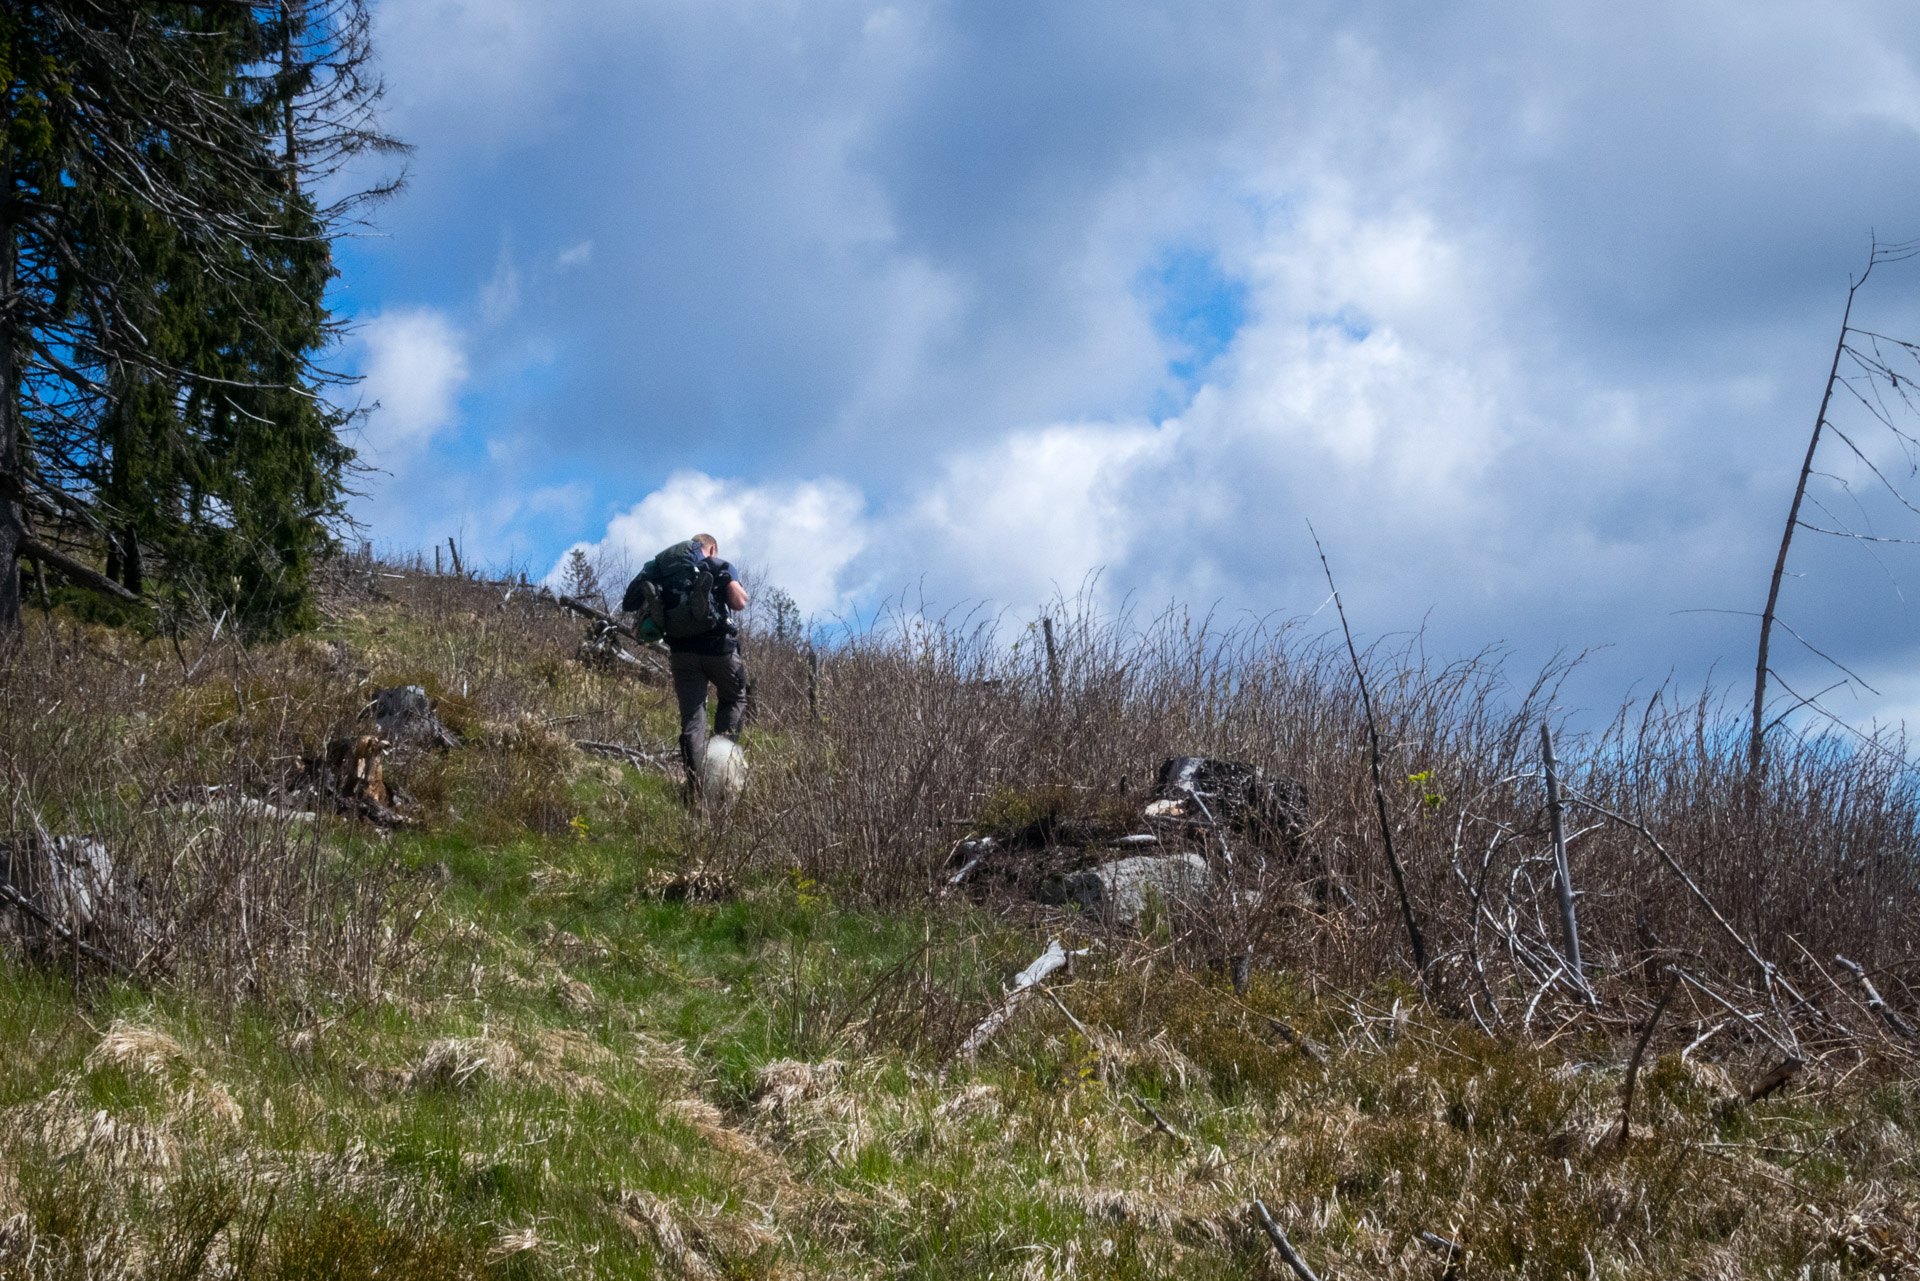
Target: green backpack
column 673, row 594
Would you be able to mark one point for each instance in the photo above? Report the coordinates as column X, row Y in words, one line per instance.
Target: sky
column 1528, row 308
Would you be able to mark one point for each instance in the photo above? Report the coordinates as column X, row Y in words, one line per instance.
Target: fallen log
column 632, row 755
column 1054, row 958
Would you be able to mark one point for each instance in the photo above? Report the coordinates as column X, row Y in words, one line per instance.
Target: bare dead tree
column 1870, row 370
column 1569, row 926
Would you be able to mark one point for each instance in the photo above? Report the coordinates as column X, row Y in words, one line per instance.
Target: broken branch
column 1639, row 1052
column 1281, row 1244
column 9, row 894
column 1875, row 1001
column 73, row 569
column 1054, row 958
column 1160, row 1122
column 1777, row 1076
column 619, row 751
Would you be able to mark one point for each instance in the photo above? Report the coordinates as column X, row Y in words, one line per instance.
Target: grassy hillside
column 556, row 1023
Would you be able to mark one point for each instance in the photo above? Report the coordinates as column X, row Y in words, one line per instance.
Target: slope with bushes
column 554, row 1022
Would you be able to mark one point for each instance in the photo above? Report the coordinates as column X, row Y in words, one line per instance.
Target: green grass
column 616, row 1093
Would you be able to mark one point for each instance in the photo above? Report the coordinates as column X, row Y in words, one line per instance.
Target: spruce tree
column 163, row 272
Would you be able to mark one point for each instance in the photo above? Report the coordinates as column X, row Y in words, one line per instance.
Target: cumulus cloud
column 1034, row 511
column 1015, row 520
column 803, row 536
column 413, row 366
column 1527, row 305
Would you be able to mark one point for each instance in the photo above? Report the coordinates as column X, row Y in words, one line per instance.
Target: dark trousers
column 691, row 674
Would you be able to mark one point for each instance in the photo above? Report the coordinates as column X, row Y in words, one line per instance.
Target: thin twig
column 1373, row 746
column 1769, row 973
column 1639, row 1050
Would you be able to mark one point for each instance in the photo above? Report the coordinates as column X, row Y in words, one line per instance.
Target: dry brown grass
column 920, row 731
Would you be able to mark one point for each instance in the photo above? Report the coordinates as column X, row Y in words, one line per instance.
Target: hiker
column 685, row 596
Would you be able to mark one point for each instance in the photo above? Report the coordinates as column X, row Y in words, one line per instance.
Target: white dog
column 723, row 770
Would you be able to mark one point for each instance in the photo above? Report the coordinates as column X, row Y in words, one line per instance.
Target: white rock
column 1119, row 890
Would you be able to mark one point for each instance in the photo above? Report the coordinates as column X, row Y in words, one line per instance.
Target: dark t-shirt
column 719, row 640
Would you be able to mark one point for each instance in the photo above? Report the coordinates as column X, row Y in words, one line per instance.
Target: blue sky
column 1527, row 307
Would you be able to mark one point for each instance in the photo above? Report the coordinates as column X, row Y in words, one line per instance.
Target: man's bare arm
column 736, row 596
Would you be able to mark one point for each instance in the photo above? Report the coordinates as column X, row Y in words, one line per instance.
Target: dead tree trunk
column 1757, row 742
column 1556, row 826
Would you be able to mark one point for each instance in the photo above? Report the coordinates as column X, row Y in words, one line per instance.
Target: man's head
column 707, row 545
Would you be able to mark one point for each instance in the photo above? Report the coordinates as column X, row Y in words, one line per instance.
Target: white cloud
column 1535, row 299
column 1035, row 510
column 413, row 365
column 499, row 298
column 568, row 501
column 802, row 536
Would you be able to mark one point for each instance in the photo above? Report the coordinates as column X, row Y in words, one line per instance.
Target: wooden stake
column 1569, row 931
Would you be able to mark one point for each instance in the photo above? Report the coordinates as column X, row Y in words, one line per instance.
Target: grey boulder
column 1120, row 891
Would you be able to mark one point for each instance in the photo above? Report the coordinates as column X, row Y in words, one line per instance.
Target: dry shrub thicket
column 877, row 752
column 903, row 737
column 123, row 777
column 162, row 775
